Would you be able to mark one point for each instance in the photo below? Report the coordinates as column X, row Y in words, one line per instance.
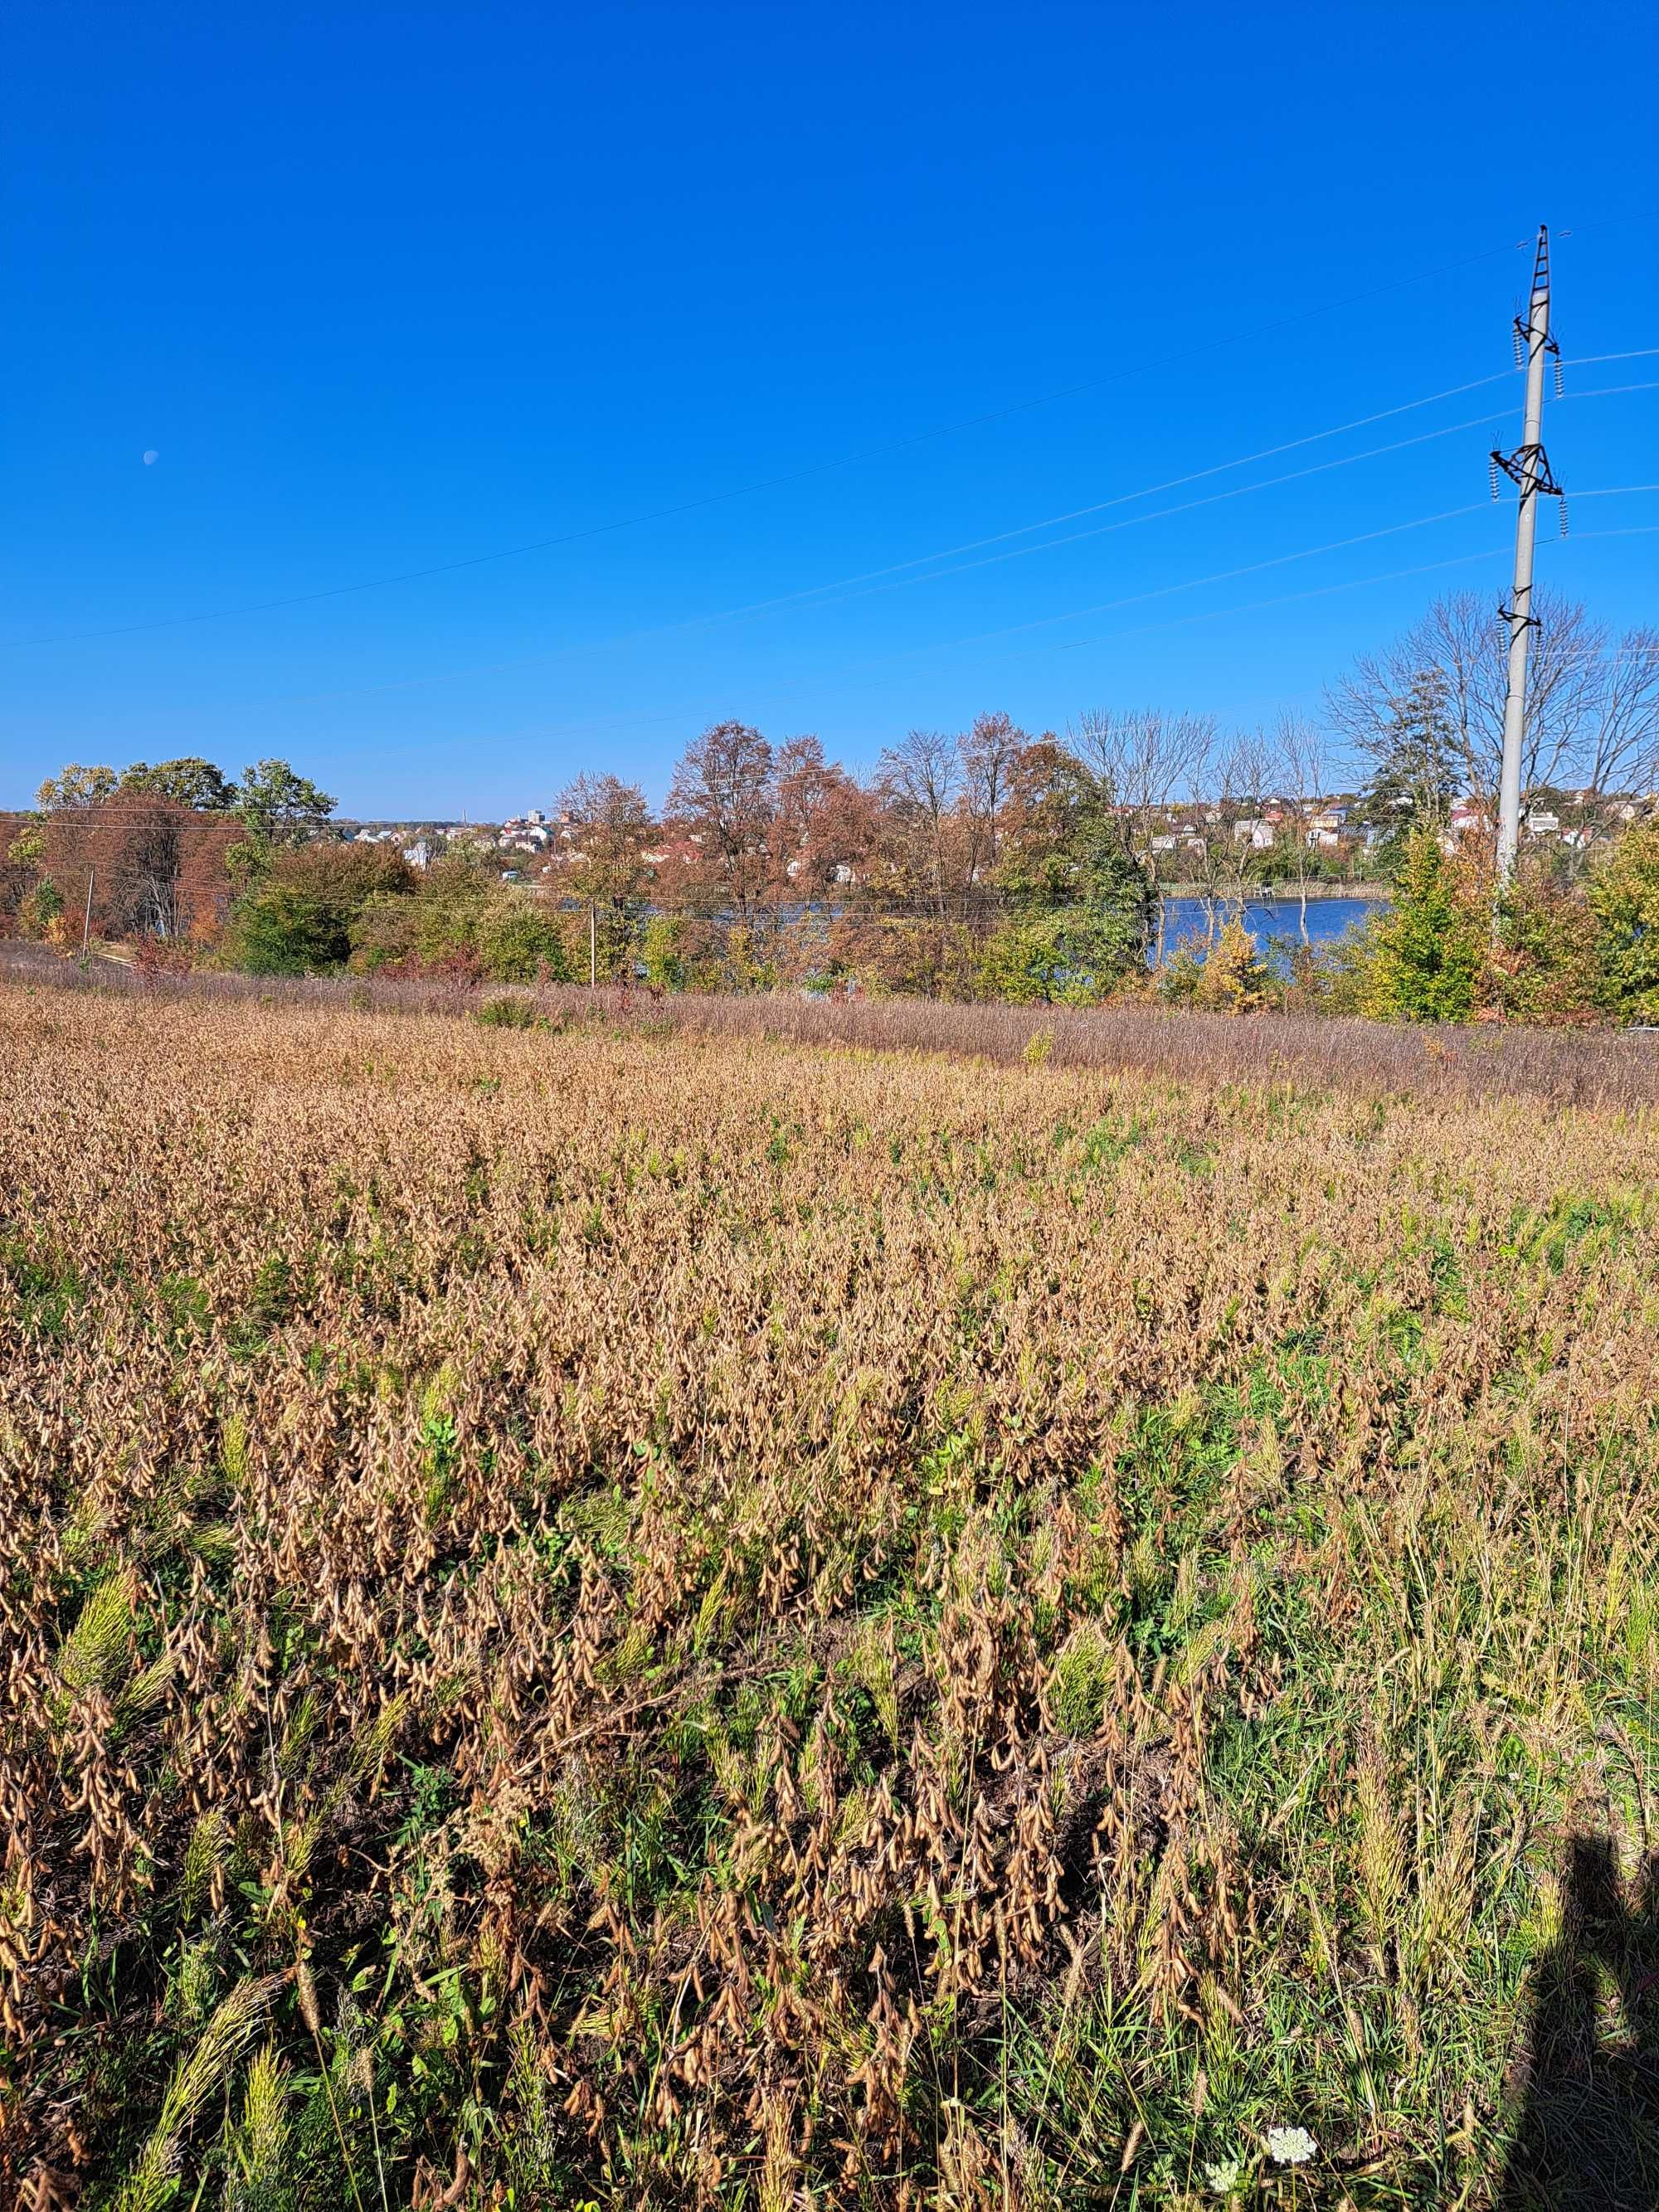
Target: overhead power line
column 1349, row 584
column 1198, row 476
column 771, row 483
column 1254, row 607
column 1212, row 499
column 814, row 592
column 1222, row 575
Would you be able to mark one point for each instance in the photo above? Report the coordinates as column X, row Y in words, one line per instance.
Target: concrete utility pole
column 1528, row 467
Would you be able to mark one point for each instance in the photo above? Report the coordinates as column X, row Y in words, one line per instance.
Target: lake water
column 1327, row 918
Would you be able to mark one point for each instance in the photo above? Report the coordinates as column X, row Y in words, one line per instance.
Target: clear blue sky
column 385, row 289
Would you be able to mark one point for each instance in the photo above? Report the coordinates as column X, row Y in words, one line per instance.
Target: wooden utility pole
column 592, row 947
column 86, row 926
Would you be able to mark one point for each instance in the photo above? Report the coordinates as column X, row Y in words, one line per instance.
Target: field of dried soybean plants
column 607, row 1615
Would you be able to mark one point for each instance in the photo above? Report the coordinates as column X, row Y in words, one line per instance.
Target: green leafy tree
column 454, row 894
column 40, row 907
column 279, row 806
column 1429, row 947
column 1080, row 900
column 460, row 912
column 1541, row 961
column 283, row 929
column 1623, row 898
column 28, row 847
column 680, row 953
column 76, row 786
column 520, row 942
column 664, row 952
column 189, row 782
column 1044, row 959
column 1414, row 773
column 298, row 917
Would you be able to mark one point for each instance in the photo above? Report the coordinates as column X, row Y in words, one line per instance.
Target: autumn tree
column 1619, row 749
column 154, row 868
column 606, row 830
column 990, row 755
column 918, row 788
column 1592, row 717
column 1147, row 762
column 721, row 803
column 821, row 821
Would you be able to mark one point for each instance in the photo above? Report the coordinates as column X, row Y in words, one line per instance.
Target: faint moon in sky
column 151, row 457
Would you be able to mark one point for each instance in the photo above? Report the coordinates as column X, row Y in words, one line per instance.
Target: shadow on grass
column 1588, row 2131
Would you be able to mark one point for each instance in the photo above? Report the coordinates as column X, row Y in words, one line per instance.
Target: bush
column 665, row 952
column 504, row 1013
column 457, row 915
column 1072, row 957
column 1232, row 979
column 909, row 959
column 1541, row 963
column 1623, row 900
column 382, row 933
column 520, row 942
column 298, row 917
column 1429, row 949
column 1181, row 978
column 1225, row 975
column 279, row 930
column 679, row 953
column 1334, row 978
column 40, row 908
column 156, row 959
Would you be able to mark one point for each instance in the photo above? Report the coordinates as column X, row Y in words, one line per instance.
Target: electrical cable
column 696, row 623
column 1148, row 491
column 1325, row 591
column 1254, row 607
column 1186, row 506
column 1224, row 576
column 1588, row 360
column 771, row 483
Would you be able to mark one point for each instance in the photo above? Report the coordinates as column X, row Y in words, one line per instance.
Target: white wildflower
column 1223, row 2179
column 1290, row 2146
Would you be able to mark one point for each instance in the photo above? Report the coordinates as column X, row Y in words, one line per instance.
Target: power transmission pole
column 1528, row 467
